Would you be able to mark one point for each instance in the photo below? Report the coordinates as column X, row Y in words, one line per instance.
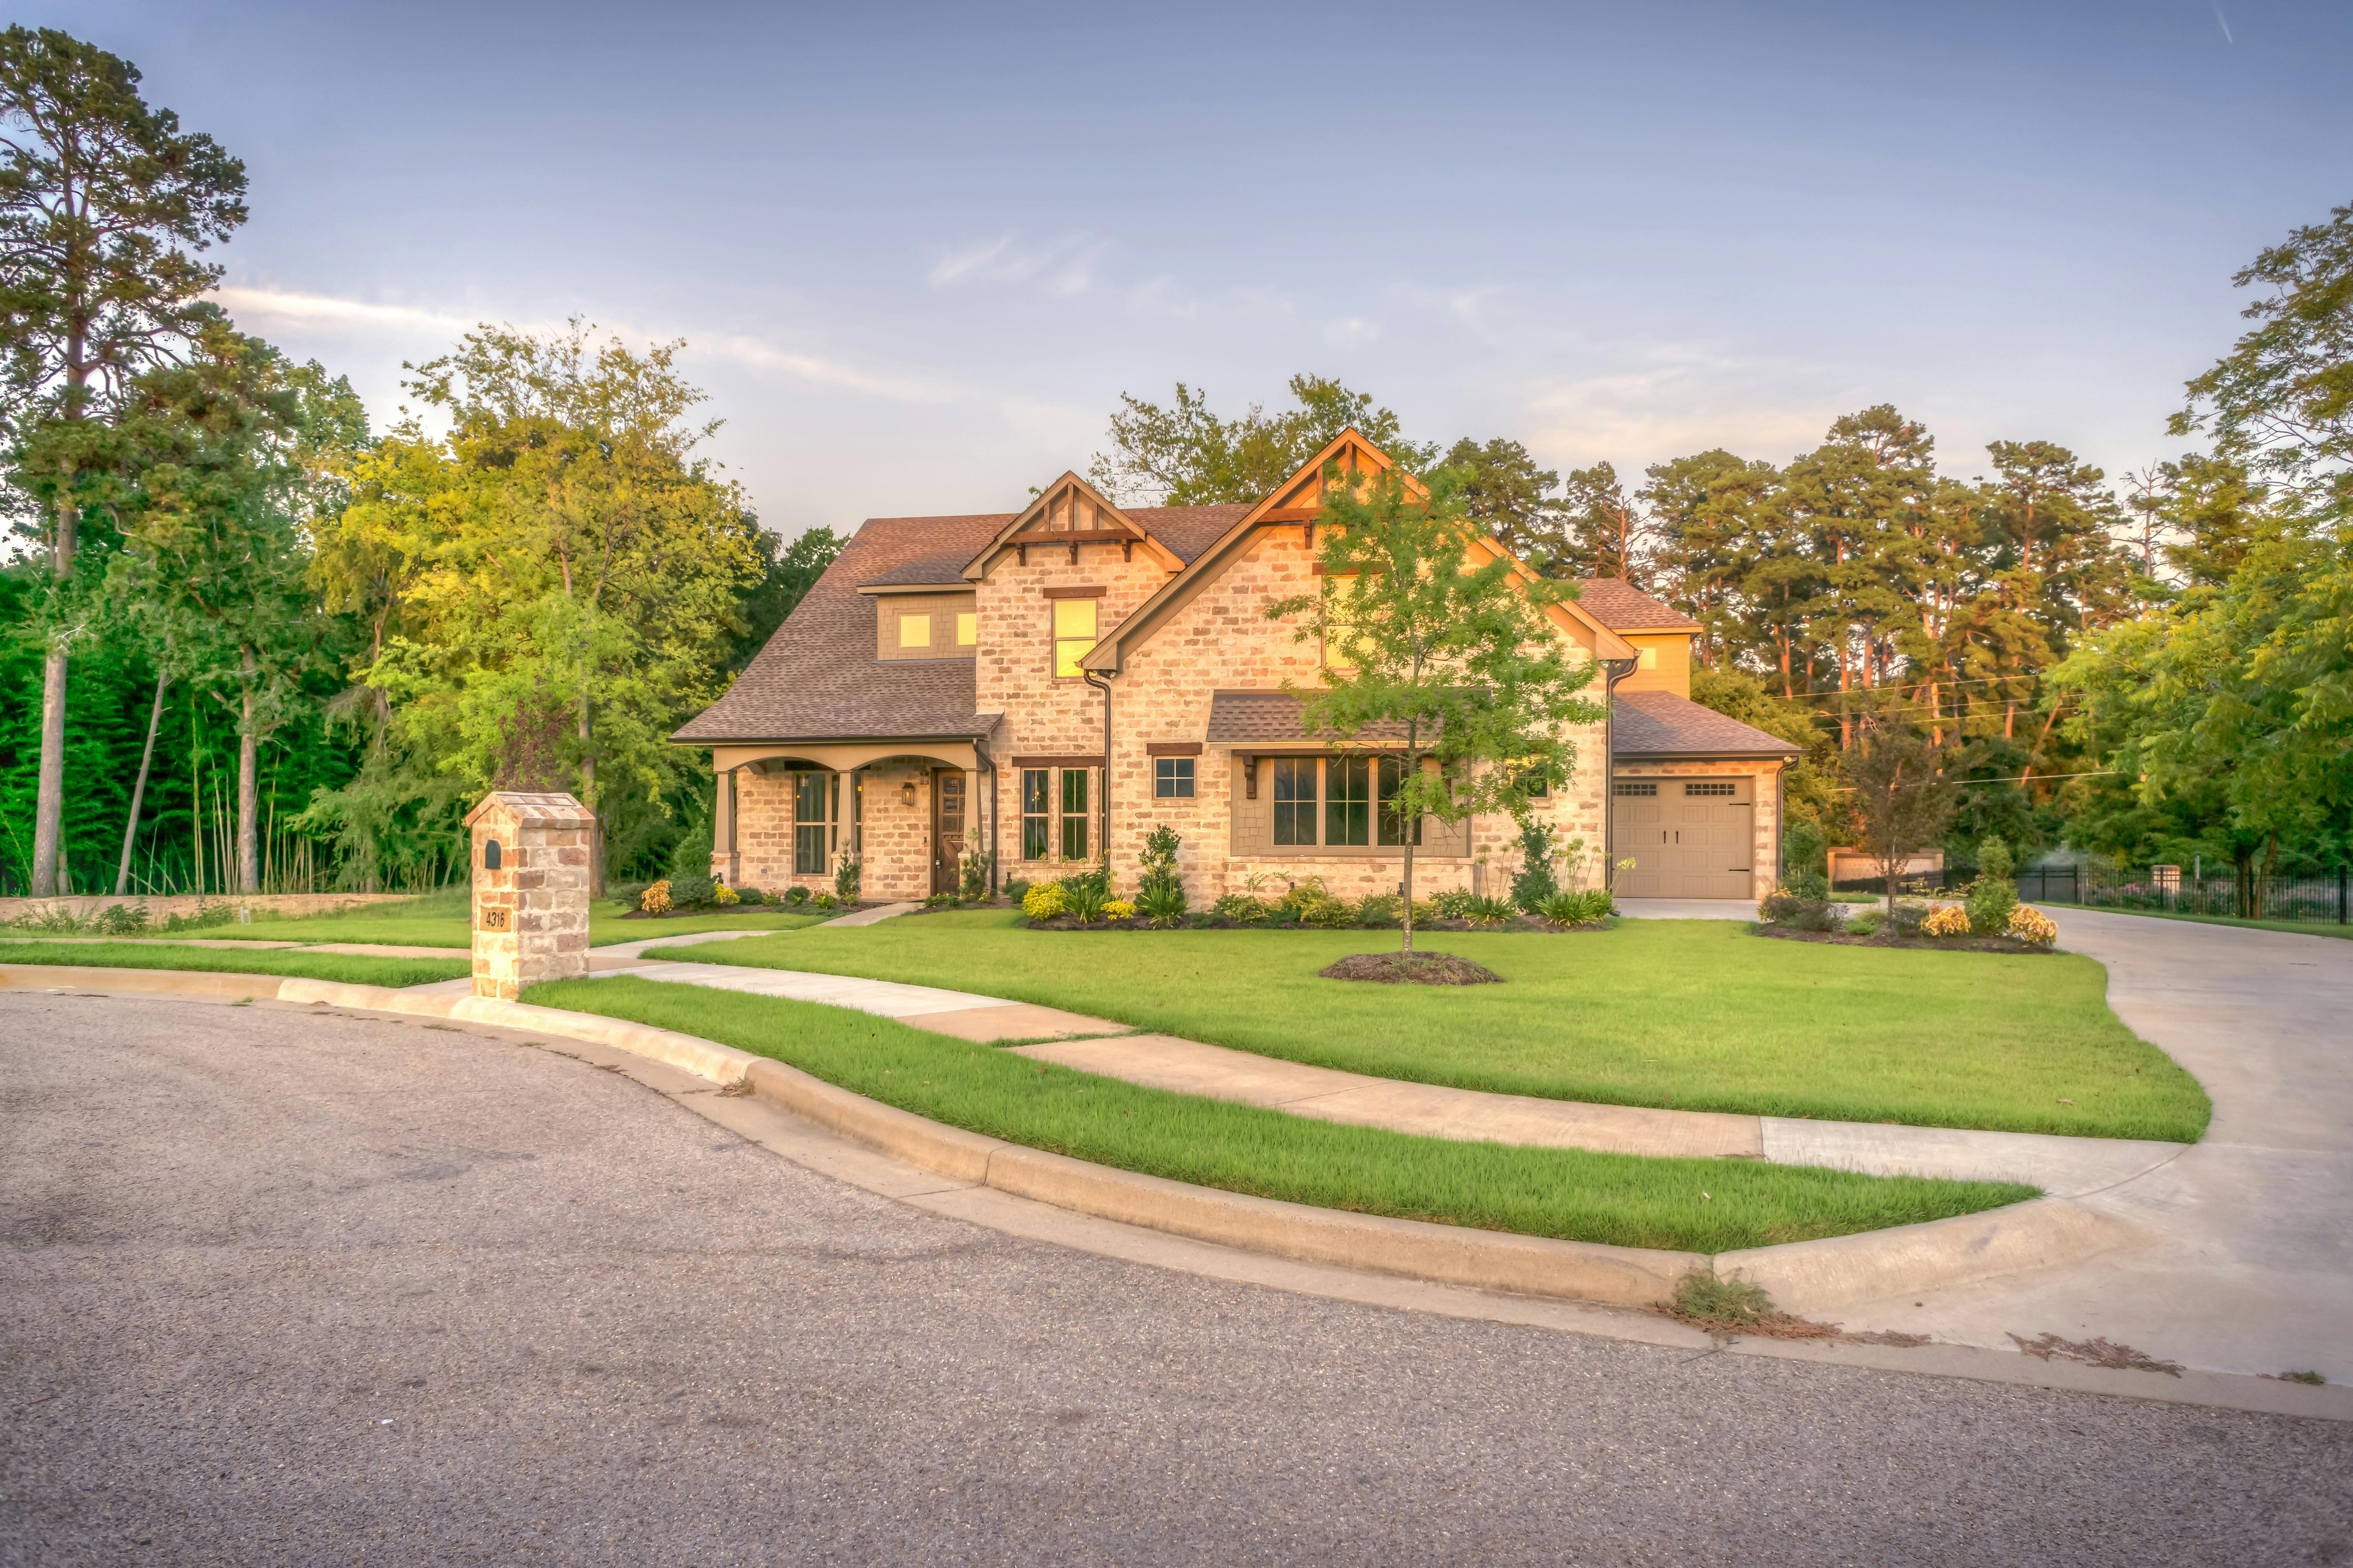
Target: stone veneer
column 539, row 890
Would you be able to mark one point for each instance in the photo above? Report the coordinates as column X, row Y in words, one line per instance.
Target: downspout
column 1103, row 684
column 1780, row 823
column 1613, row 671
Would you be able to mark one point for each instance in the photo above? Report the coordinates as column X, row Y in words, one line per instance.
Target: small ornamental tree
column 1438, row 643
column 1904, row 793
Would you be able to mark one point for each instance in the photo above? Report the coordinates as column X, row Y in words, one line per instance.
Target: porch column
column 726, row 864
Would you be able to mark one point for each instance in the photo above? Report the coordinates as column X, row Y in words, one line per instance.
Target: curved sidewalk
column 2062, row 1167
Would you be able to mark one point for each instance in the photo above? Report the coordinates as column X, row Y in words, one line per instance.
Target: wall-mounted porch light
column 907, row 794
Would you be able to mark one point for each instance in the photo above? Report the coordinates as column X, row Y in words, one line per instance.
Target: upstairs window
column 914, row 631
column 1074, row 633
column 967, row 628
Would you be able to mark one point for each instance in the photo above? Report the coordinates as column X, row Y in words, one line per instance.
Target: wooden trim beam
column 1172, row 749
column 1058, row 762
column 1083, row 592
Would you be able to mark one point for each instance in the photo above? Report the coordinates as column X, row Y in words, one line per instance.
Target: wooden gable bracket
column 1250, row 775
column 1074, row 550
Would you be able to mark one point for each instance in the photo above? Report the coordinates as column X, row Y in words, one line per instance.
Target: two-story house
column 1044, row 685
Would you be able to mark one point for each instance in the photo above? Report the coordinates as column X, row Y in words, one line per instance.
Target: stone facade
column 530, row 909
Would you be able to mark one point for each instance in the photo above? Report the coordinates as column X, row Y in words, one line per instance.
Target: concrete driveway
column 286, row 1287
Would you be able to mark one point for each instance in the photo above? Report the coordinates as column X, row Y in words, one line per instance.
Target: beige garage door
column 1689, row 838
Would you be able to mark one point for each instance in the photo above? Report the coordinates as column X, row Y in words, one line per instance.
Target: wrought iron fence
column 2322, row 899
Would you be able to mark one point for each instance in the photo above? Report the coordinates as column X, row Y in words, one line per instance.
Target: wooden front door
column 948, row 829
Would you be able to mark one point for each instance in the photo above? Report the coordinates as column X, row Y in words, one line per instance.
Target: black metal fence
column 2324, row 900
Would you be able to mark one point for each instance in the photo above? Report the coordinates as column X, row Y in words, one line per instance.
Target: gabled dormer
column 1067, row 514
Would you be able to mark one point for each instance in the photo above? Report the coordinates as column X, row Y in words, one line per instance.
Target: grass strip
column 440, row 920
column 356, row 969
column 1625, row 1200
column 1683, row 1015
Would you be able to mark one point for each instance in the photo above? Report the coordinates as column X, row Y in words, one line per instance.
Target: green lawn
column 1703, row 1205
column 1693, row 1014
column 438, row 920
column 2297, row 928
column 353, row 968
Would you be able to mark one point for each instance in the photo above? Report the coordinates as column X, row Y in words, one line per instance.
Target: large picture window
column 1037, row 813
column 1294, row 800
column 1074, row 811
column 1074, row 633
column 812, row 823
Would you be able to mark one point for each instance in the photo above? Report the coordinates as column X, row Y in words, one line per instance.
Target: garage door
column 1689, row 838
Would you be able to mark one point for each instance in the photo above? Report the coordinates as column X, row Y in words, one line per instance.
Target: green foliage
column 1865, row 922
column 1162, row 904
column 1810, row 885
column 972, row 875
column 1379, row 910
column 692, row 892
column 1566, row 908
column 1536, row 880
column 1722, row 1300
column 1184, row 455
column 1802, row 913
column 795, row 897
column 1017, row 888
column 1489, row 912
column 1160, row 889
column 1086, row 895
column 849, row 875
column 1994, row 895
column 1044, row 900
column 1242, row 908
column 356, row 969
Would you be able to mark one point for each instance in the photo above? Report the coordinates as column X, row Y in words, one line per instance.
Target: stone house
column 1044, row 685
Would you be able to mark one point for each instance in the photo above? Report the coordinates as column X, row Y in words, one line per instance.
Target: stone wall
column 541, row 891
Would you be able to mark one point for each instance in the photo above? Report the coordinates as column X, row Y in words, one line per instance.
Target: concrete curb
column 1804, row 1277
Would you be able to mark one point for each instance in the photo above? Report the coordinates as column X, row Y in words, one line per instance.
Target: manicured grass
column 353, row 968
column 1693, row 1014
column 1622, row 1199
column 438, row 920
column 2295, row 928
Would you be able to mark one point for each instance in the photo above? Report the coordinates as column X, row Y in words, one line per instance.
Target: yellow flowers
column 1119, row 909
column 1945, row 920
column 1044, row 901
column 2033, row 927
column 655, row 901
column 722, row 895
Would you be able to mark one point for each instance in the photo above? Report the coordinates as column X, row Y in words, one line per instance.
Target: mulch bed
column 1889, row 938
column 1411, row 969
column 699, row 910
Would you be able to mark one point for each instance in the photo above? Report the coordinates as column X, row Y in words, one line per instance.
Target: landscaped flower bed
column 1083, row 902
column 2020, row 929
column 680, row 897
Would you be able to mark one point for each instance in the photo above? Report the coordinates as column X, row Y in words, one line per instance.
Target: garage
column 1687, row 837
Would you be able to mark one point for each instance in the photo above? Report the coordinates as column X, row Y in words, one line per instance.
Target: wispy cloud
column 1350, row 332
column 1666, row 399
column 321, row 313
column 2223, row 22
column 1064, row 266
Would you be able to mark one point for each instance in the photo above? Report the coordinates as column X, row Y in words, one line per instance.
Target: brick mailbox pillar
column 531, row 890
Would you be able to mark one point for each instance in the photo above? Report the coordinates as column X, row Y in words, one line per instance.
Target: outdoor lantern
column 907, row 794
column 490, row 855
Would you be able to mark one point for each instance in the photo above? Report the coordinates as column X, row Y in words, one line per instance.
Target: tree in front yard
column 1440, row 647
column 1904, row 793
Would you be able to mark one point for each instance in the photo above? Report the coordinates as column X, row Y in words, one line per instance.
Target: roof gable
column 1072, row 513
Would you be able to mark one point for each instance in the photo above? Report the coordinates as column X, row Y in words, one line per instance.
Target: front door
column 948, row 829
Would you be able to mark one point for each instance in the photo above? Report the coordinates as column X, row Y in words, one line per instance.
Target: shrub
column 941, row 901
column 1163, row 903
column 1947, row 919
column 754, row 896
column 1044, row 901
column 1118, row 909
column 824, row 901
column 120, row 920
column 692, row 892
column 2033, row 927
column 1242, row 907
column 1086, row 896
column 1534, row 881
column 1810, row 884
column 655, row 900
column 796, row 897
column 1379, row 910
column 848, row 875
column 1454, row 904
column 723, row 896
column 1576, row 909
column 1784, row 907
column 1326, row 914
column 1908, row 916
column 1486, row 911
column 1017, row 887
column 1160, row 886
column 1866, row 923
column 207, row 914
column 1993, row 896
column 972, row 875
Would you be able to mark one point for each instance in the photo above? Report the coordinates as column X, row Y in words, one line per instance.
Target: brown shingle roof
column 1272, row 718
column 1661, row 724
column 818, row 678
column 1187, row 530
column 1622, row 608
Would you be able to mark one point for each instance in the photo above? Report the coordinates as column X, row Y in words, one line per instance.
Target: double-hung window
column 1392, row 829
column 1074, row 812
column 812, row 823
column 1348, row 801
column 1037, row 813
column 1074, row 633
column 1294, row 800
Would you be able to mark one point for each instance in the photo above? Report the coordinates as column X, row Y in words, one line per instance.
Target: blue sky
column 917, row 252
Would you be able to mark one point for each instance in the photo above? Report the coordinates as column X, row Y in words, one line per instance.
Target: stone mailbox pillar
column 531, row 890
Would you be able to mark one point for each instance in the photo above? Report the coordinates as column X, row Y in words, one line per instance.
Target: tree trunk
column 249, row 848
column 589, row 796
column 138, row 790
column 49, row 808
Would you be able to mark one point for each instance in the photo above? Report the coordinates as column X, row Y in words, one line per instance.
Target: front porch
column 905, row 810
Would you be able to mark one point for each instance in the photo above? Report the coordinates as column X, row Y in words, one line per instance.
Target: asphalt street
column 283, row 1289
